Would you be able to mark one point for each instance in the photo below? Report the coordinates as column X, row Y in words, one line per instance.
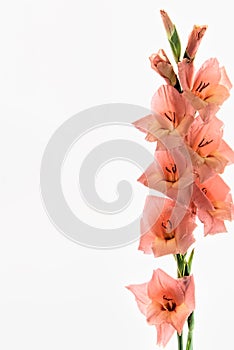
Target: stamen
column 166, row 226
column 169, row 233
column 170, row 224
column 204, row 190
column 166, row 115
column 174, row 168
column 202, row 86
column 174, row 117
column 197, row 89
column 168, row 169
column 169, row 306
column 203, row 144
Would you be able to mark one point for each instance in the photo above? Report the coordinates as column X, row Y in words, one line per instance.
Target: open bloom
column 170, row 119
column 171, row 173
column 209, row 152
column 217, row 191
column 209, row 88
column 166, row 227
column 166, row 302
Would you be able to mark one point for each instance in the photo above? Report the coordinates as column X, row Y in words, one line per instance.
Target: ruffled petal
column 208, row 73
column 226, row 151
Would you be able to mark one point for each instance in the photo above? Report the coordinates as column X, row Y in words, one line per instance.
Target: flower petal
column 208, row 73
column 162, row 247
column 224, row 79
column 161, row 283
column 147, row 125
column 164, row 333
column 216, row 94
column 155, row 314
column 178, row 318
column 216, row 189
column 168, row 102
column 188, row 286
column 186, row 73
column 226, row 151
column 141, row 296
column 196, row 101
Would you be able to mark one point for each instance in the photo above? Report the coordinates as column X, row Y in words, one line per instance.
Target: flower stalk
column 184, row 269
column 189, row 345
column 180, row 341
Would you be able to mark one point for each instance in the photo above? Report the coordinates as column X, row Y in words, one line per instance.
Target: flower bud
column 194, row 41
column 172, row 35
column 161, row 64
column 169, row 26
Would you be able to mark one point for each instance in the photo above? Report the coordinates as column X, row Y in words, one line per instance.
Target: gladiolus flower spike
column 190, row 157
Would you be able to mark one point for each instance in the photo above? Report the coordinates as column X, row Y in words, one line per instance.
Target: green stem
column 180, row 341
column 184, row 269
column 189, row 345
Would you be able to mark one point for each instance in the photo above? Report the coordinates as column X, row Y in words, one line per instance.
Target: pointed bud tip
column 200, row 30
column 169, row 26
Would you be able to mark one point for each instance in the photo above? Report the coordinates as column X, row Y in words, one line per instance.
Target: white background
column 58, row 58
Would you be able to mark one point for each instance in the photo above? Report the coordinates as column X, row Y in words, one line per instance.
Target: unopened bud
column 172, row 35
column 194, row 41
column 161, row 64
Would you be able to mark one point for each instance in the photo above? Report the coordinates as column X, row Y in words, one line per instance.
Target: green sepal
column 180, row 265
column 190, row 261
column 191, row 321
column 174, row 41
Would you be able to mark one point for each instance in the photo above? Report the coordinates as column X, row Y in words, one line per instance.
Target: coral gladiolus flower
column 172, row 115
column 217, row 191
column 210, row 86
column 166, row 302
column 166, row 227
column 171, row 173
column 209, row 153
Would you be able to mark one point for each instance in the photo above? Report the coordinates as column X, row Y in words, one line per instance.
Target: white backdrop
column 59, row 57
